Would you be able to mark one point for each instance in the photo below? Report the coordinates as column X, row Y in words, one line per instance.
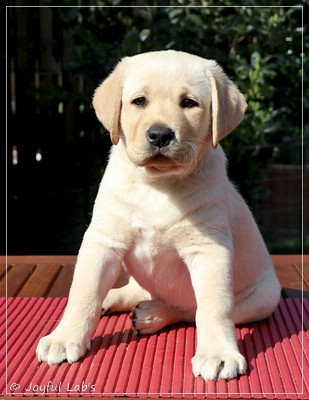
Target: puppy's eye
column 188, row 103
column 140, row 101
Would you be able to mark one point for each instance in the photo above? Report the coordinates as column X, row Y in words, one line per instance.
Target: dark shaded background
column 57, row 150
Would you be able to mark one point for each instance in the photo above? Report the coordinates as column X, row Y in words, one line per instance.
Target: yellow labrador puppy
column 167, row 211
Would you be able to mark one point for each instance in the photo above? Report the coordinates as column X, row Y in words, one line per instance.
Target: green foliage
column 259, row 46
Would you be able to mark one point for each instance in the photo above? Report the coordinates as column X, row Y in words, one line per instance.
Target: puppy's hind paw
column 149, row 316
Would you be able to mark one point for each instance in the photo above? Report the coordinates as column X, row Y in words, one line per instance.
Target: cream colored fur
column 171, row 216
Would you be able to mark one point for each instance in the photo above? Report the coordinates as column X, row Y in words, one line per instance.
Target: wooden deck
column 50, row 277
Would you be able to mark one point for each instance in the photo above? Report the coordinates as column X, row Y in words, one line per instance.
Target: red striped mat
column 122, row 363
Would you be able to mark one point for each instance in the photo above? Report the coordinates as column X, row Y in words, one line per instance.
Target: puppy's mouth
column 159, row 163
column 166, row 161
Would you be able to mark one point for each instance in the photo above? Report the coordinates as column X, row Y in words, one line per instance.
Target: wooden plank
column 52, row 275
column 304, row 272
column 59, row 259
column 62, row 284
column 289, row 272
column 40, row 281
column 45, row 280
column 2, row 271
column 3, row 285
column 283, row 260
column 17, row 277
column 289, row 277
column 278, row 259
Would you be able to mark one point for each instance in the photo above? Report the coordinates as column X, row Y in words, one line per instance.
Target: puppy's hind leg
column 125, row 298
column 259, row 301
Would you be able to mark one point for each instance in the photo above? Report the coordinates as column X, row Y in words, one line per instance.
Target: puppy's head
column 168, row 107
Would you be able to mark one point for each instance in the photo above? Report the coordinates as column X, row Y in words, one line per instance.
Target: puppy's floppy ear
column 107, row 101
column 228, row 104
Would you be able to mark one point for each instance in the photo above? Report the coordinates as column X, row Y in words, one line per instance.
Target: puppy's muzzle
column 160, row 136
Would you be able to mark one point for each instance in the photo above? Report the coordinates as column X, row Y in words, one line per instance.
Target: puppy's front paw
column 219, row 365
column 55, row 349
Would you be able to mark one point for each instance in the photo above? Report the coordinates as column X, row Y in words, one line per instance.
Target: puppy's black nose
column 160, row 136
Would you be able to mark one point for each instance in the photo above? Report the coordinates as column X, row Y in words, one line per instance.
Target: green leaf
column 144, row 34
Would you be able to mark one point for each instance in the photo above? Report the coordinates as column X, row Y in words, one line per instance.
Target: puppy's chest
column 153, row 261
column 156, row 220
column 153, row 223
column 153, row 240
column 152, row 258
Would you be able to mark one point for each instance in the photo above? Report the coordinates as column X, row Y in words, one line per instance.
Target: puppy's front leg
column 96, row 270
column 217, row 355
